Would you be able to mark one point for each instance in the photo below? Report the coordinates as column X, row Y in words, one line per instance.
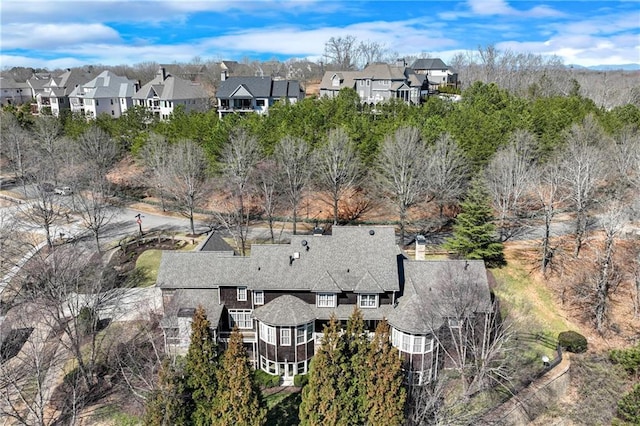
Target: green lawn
column 146, row 270
column 283, row 408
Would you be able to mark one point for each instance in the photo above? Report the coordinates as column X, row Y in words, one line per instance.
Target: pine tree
column 352, row 381
column 320, row 405
column 385, row 393
column 168, row 405
column 474, row 234
column 201, row 367
column 238, row 400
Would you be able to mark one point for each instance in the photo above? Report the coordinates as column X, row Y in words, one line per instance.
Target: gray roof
column 105, row 85
column 214, row 242
column 9, row 83
column 347, row 79
column 429, row 64
column 347, row 256
column 258, row 87
column 63, row 84
column 438, row 289
column 285, row 310
column 166, row 87
column 185, row 301
column 381, row 71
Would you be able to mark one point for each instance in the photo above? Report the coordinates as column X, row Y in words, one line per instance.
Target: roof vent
column 296, row 255
column 372, row 232
column 304, row 243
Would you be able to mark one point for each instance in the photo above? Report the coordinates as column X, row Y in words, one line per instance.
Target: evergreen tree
column 320, row 404
column 385, row 394
column 352, row 380
column 238, row 400
column 202, row 363
column 168, row 405
column 474, row 234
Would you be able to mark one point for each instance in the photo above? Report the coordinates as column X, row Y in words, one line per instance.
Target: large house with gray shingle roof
column 240, row 95
column 281, row 296
column 165, row 93
column 54, row 97
column 106, row 94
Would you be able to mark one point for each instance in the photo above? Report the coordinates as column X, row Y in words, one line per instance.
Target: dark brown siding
column 229, row 296
column 305, row 296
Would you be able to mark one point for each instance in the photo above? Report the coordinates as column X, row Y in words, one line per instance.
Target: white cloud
column 48, row 36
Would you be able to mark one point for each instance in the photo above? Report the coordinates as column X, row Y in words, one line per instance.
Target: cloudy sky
column 60, row 34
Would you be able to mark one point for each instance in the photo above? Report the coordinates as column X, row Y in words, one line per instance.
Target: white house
column 165, row 92
column 55, row 94
column 106, row 94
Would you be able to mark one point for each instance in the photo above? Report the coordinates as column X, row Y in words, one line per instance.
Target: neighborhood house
column 282, row 295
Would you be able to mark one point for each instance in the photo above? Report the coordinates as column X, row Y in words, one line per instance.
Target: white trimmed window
column 368, row 300
column 454, row 323
column 304, row 333
column 242, row 294
column 241, row 318
column 285, row 337
column 267, row 333
column 411, row 344
column 326, row 300
column 258, row 297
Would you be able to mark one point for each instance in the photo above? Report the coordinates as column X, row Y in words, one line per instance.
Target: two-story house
column 281, row 296
column 438, row 73
column 378, row 83
column 106, row 94
column 54, row 97
column 165, row 92
column 255, row 94
column 13, row 92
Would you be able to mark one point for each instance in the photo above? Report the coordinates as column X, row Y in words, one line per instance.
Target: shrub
column 572, row 341
column 266, row 380
column 86, row 320
column 629, row 359
column 300, row 380
column 629, row 406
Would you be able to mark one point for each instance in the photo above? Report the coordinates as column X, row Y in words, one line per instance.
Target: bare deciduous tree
column 96, row 211
column 239, row 158
column 293, row 156
column 338, row 167
column 47, row 130
column 270, row 190
column 341, row 52
column 18, row 147
column 96, row 152
column 403, row 171
column 186, row 177
column 508, row 176
column 448, row 171
column 155, row 155
column 583, row 165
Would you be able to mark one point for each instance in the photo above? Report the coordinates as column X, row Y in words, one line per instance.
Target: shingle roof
column 170, row 88
column 187, row 300
column 347, row 256
column 429, row 64
column 347, row 79
column 214, row 242
column 435, row 290
column 105, row 85
column 285, row 310
column 381, row 71
column 258, row 87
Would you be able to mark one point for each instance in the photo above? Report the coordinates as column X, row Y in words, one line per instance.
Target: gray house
column 255, row 94
column 378, row 82
column 438, row 73
column 282, row 295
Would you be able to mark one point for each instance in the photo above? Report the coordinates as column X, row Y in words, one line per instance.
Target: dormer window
column 242, row 294
column 326, row 300
column 368, row 300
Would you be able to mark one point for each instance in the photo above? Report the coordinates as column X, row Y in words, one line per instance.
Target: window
column 268, row 333
column 112, row 112
column 258, row 297
column 285, row 337
column 368, row 300
column 405, row 342
column 111, row 101
column 260, row 102
column 242, row 294
column 410, row 343
column 97, row 102
column 326, row 300
column 454, row 322
column 418, row 344
column 304, row 333
column 241, row 318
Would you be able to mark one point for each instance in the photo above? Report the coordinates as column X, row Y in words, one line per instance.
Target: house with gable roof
column 241, row 95
column 166, row 92
column 438, row 73
column 106, row 94
column 13, row 92
column 281, row 296
column 54, row 96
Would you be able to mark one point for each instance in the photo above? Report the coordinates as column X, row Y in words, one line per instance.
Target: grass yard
column 283, row 408
column 147, row 267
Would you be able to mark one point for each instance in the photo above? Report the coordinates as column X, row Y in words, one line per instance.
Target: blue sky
column 60, row 34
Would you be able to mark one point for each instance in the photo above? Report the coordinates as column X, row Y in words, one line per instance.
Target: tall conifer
column 320, row 404
column 352, row 381
column 238, row 400
column 201, row 367
column 474, row 234
column 168, row 405
column 385, row 393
